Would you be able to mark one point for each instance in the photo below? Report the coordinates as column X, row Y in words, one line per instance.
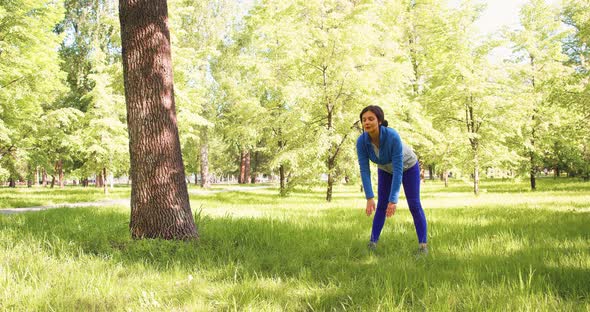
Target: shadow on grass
column 327, row 256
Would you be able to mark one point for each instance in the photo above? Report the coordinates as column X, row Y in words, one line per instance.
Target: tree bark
column 247, row 173
column 473, row 130
column 244, row 177
column 204, row 158
column 533, row 125
column 104, row 181
column 43, row 177
column 99, row 180
column 160, row 206
column 330, row 187
column 59, row 170
column 253, row 166
column 533, row 169
column 283, row 190
column 476, row 175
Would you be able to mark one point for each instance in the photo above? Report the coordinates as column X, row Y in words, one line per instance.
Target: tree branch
column 314, row 66
column 11, row 82
column 4, row 151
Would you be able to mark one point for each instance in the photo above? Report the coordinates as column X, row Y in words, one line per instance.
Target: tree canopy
column 272, row 89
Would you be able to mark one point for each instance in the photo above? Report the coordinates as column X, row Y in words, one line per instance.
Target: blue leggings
column 411, row 182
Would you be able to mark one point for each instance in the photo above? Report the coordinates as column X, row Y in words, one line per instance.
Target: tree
column 575, row 132
column 337, row 71
column 198, row 29
column 160, row 206
column 540, row 61
column 269, row 46
column 30, row 78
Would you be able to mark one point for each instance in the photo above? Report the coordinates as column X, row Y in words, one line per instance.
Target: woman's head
column 372, row 116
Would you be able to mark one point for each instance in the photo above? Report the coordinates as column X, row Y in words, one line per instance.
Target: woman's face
column 370, row 121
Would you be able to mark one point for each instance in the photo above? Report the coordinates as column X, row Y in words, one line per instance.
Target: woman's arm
column 363, row 159
column 397, row 159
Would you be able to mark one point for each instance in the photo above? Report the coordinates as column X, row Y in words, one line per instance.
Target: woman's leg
column 383, row 190
column 411, row 182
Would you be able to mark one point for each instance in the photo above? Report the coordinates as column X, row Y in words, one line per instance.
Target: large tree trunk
column 204, row 158
column 160, row 206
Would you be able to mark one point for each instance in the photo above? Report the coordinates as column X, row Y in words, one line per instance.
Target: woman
column 396, row 164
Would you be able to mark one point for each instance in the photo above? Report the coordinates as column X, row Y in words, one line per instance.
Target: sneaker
column 421, row 252
column 372, row 246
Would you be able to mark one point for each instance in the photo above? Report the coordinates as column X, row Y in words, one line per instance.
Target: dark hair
column 377, row 111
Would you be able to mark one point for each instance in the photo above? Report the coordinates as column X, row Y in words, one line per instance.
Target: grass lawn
column 40, row 196
column 507, row 249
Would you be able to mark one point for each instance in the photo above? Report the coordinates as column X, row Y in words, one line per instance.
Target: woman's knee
column 414, row 204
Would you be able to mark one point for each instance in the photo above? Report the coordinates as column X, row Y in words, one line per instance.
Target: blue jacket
column 390, row 151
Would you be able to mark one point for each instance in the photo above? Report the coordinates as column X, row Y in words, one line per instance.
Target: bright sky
column 501, row 12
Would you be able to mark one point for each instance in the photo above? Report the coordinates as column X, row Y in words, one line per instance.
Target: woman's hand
column 391, row 207
column 370, row 206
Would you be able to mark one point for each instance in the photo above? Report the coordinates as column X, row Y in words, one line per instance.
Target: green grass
column 507, row 249
column 42, row 196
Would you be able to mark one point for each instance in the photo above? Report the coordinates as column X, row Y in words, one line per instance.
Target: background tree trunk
column 99, row 180
column 247, row 173
column 204, row 158
column 59, row 171
column 104, row 180
column 244, row 177
column 160, row 206
column 283, row 190
column 43, row 177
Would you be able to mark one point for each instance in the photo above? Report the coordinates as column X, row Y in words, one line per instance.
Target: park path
column 124, row 201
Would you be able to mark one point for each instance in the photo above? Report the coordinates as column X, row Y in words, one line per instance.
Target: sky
column 501, row 12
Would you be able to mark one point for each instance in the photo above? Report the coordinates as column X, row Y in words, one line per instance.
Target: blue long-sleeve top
column 390, row 151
